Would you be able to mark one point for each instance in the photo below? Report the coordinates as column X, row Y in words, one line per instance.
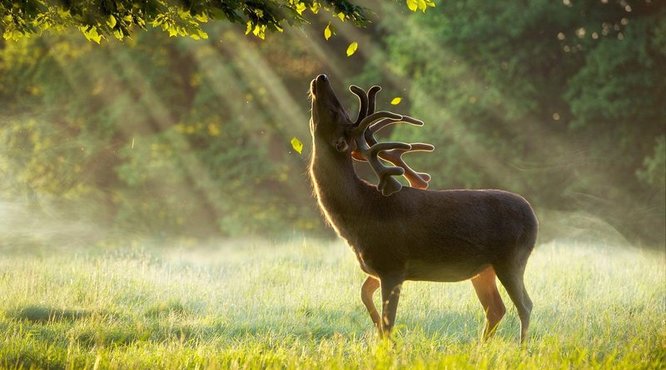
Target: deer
column 410, row 233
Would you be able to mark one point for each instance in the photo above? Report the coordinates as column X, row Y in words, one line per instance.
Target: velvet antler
column 368, row 149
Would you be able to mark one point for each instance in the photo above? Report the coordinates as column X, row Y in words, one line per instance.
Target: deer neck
column 338, row 189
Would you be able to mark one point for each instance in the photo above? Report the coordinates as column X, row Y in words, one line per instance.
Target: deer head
column 331, row 123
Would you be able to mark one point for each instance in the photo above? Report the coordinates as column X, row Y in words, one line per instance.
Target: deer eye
column 334, row 114
column 338, row 115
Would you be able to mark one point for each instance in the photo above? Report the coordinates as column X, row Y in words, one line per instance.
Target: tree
column 100, row 19
column 560, row 101
column 142, row 135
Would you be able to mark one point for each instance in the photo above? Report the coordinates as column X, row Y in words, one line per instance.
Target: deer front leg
column 367, row 291
column 390, row 296
column 486, row 289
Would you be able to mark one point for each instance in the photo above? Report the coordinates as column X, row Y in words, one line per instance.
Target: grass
column 297, row 305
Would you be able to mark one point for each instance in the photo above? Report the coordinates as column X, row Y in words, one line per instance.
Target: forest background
column 154, row 136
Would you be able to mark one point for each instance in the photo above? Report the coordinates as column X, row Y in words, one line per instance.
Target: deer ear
column 357, row 155
column 341, row 144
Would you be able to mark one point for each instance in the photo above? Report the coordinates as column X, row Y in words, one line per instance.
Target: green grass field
column 297, row 305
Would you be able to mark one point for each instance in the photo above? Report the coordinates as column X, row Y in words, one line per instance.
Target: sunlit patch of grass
column 297, row 305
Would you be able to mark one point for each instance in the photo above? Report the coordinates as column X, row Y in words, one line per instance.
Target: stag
column 409, row 233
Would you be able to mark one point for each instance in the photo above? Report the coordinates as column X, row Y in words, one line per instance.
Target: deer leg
column 512, row 279
column 367, row 291
column 390, row 296
column 486, row 289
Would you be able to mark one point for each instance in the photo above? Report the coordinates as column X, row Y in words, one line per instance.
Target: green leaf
column 351, row 49
column 297, row 145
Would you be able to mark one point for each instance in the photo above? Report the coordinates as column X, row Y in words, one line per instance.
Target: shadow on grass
column 322, row 324
column 42, row 314
column 174, row 322
column 168, row 308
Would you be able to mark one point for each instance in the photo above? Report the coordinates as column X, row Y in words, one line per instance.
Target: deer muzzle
column 320, row 88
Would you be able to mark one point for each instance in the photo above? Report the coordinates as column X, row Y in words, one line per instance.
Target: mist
column 175, row 138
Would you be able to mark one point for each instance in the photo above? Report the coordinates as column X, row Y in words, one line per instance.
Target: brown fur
column 449, row 235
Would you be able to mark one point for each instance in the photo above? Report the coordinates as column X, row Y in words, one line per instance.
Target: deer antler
column 362, row 101
column 368, row 149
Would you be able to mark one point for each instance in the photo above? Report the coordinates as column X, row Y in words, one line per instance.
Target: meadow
column 254, row 304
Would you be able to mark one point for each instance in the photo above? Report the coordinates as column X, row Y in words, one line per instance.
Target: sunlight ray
column 159, row 113
column 457, row 131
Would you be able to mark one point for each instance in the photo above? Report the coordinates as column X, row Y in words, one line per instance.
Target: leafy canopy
column 100, row 19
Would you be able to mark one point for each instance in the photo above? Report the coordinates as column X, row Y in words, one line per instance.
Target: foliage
column 296, row 305
column 100, row 19
column 560, row 102
column 652, row 172
column 143, row 136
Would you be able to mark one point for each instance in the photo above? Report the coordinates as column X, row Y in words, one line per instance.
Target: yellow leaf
column 297, row 145
column 352, row 48
column 422, row 5
column 91, row 34
column 315, row 8
column 341, row 15
column 327, row 31
column 111, row 21
column 396, row 100
column 300, row 7
column 412, row 5
column 260, row 31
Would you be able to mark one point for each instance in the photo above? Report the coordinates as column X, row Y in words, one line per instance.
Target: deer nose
column 322, row 78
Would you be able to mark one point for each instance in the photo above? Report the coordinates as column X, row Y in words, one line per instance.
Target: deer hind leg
column 486, row 289
column 390, row 297
column 512, row 279
column 367, row 291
